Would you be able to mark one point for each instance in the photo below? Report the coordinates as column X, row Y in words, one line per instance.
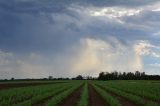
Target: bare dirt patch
column 95, row 99
column 73, row 98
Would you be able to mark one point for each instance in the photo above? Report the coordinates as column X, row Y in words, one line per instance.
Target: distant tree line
column 102, row 76
column 50, row 78
column 127, row 76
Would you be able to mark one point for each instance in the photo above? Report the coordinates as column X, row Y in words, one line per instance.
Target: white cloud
column 114, row 12
column 88, row 57
column 91, row 13
column 144, row 48
column 26, row 67
column 98, row 55
column 5, row 57
column 155, row 65
column 154, row 7
column 157, row 34
column 157, row 9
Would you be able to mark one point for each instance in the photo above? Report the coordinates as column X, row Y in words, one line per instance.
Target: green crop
column 147, row 89
column 142, row 93
column 134, row 98
column 108, row 98
column 57, row 99
column 84, row 96
column 40, row 97
column 18, row 95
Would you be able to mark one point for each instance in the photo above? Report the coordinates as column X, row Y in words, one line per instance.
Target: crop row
column 40, row 97
column 58, row 98
column 134, row 98
column 108, row 98
column 30, row 95
column 84, row 96
column 141, row 88
column 53, row 94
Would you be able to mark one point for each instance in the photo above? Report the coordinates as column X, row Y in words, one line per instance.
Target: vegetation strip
column 94, row 98
column 136, row 99
column 93, row 93
column 123, row 101
column 108, row 98
column 84, row 96
column 57, row 99
column 72, row 99
column 19, row 95
column 17, row 85
column 146, row 99
column 145, row 89
column 145, row 96
column 40, row 100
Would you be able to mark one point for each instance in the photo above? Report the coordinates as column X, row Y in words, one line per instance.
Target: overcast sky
column 64, row 38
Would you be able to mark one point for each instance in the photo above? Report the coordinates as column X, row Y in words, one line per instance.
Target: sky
column 65, row 38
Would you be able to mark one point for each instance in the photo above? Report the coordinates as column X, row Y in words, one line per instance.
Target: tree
column 50, row 77
column 127, row 76
column 12, row 78
column 79, row 77
column 89, row 78
column 101, row 76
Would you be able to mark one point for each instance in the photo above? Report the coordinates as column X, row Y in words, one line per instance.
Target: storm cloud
column 65, row 38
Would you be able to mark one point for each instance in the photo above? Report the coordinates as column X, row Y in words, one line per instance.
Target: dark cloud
column 128, row 3
column 32, row 6
column 37, row 25
column 56, row 29
column 36, row 6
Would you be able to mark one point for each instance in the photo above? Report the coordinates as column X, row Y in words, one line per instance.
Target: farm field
column 15, row 84
column 80, row 93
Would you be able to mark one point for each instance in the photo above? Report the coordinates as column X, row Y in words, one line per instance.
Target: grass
column 84, row 96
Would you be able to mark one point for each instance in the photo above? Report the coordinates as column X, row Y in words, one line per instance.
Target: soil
column 95, row 99
column 72, row 99
column 16, row 85
column 121, row 99
column 151, row 101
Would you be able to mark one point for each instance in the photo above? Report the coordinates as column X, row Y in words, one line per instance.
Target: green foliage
column 134, row 98
column 39, row 97
column 108, row 98
column 84, row 96
column 57, row 99
column 143, row 93
column 28, row 94
column 148, row 89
